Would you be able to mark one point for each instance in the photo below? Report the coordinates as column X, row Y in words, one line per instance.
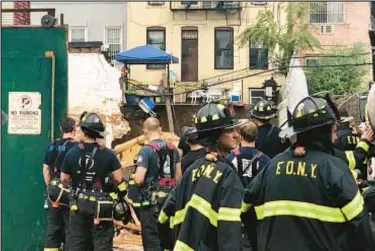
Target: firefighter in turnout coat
column 203, row 211
column 306, row 198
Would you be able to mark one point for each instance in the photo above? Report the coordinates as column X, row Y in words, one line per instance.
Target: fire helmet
column 263, row 110
column 211, row 119
column 121, row 211
column 370, row 108
column 310, row 113
column 92, row 123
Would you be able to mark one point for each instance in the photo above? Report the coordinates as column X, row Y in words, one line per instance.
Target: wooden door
column 189, row 56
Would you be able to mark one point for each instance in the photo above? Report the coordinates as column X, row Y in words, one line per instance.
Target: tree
column 282, row 39
column 339, row 80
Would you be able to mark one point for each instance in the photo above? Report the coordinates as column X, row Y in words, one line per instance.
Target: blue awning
column 145, row 54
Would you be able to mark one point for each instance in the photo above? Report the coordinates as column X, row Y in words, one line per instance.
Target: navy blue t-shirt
column 103, row 164
column 56, row 152
column 270, row 144
column 247, row 153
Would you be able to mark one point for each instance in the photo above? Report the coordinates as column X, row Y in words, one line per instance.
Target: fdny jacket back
column 307, row 203
column 204, row 208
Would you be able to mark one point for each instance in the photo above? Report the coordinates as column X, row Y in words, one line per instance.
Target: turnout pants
column 57, row 228
column 83, row 232
column 149, row 224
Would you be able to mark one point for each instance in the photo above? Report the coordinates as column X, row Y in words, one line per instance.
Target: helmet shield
column 309, row 113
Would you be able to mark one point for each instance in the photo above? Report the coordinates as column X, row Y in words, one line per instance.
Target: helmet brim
column 98, row 134
column 291, row 131
column 263, row 117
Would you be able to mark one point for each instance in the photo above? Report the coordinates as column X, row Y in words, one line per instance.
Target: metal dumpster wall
column 26, row 69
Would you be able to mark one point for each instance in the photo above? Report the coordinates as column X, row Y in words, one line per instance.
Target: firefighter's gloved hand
column 122, row 189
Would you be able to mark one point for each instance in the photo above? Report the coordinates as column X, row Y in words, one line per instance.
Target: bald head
column 151, row 125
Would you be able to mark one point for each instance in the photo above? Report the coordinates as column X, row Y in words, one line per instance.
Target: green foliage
column 339, row 80
column 282, row 39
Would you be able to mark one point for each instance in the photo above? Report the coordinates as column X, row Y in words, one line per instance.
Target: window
column 223, row 48
column 156, row 37
column 113, row 38
column 78, row 34
column 256, row 95
column 258, row 57
column 326, row 12
column 154, row 3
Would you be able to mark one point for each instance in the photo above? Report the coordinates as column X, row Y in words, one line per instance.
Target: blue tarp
column 145, row 54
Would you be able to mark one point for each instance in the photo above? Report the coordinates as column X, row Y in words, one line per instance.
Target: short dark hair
column 90, row 134
column 68, row 125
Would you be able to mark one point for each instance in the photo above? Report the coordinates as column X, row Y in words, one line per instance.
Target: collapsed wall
column 94, row 87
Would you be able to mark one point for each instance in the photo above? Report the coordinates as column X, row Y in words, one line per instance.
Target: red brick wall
column 21, row 18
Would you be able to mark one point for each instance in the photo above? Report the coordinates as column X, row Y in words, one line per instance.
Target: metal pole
column 168, row 104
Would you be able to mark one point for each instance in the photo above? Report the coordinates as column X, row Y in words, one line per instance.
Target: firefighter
column 268, row 140
column 248, row 162
column 58, row 208
column 158, row 170
column 196, row 151
column 90, row 166
column 183, row 147
column 305, row 198
column 134, row 191
column 204, row 208
column 347, row 135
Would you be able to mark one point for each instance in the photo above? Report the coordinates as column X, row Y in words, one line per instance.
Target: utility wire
column 272, row 70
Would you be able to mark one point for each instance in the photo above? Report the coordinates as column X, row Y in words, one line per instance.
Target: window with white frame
column 113, row 39
column 78, row 34
column 256, row 95
column 326, row 12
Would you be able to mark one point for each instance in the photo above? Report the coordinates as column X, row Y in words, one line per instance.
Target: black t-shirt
column 102, row 165
column 183, row 146
column 190, row 157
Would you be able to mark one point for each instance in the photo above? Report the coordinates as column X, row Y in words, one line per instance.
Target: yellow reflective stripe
column 363, row 145
column 199, row 204
column 245, row 207
column 122, row 186
column 365, row 161
column 113, row 196
column 204, row 207
column 179, row 216
column 51, row 249
column 215, row 117
column 136, row 204
column 162, row 217
column 299, row 209
column 180, row 246
column 350, row 158
column 229, row 214
column 353, row 208
column 354, row 174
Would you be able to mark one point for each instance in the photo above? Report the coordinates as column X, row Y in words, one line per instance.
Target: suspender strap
column 54, row 168
column 85, row 164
